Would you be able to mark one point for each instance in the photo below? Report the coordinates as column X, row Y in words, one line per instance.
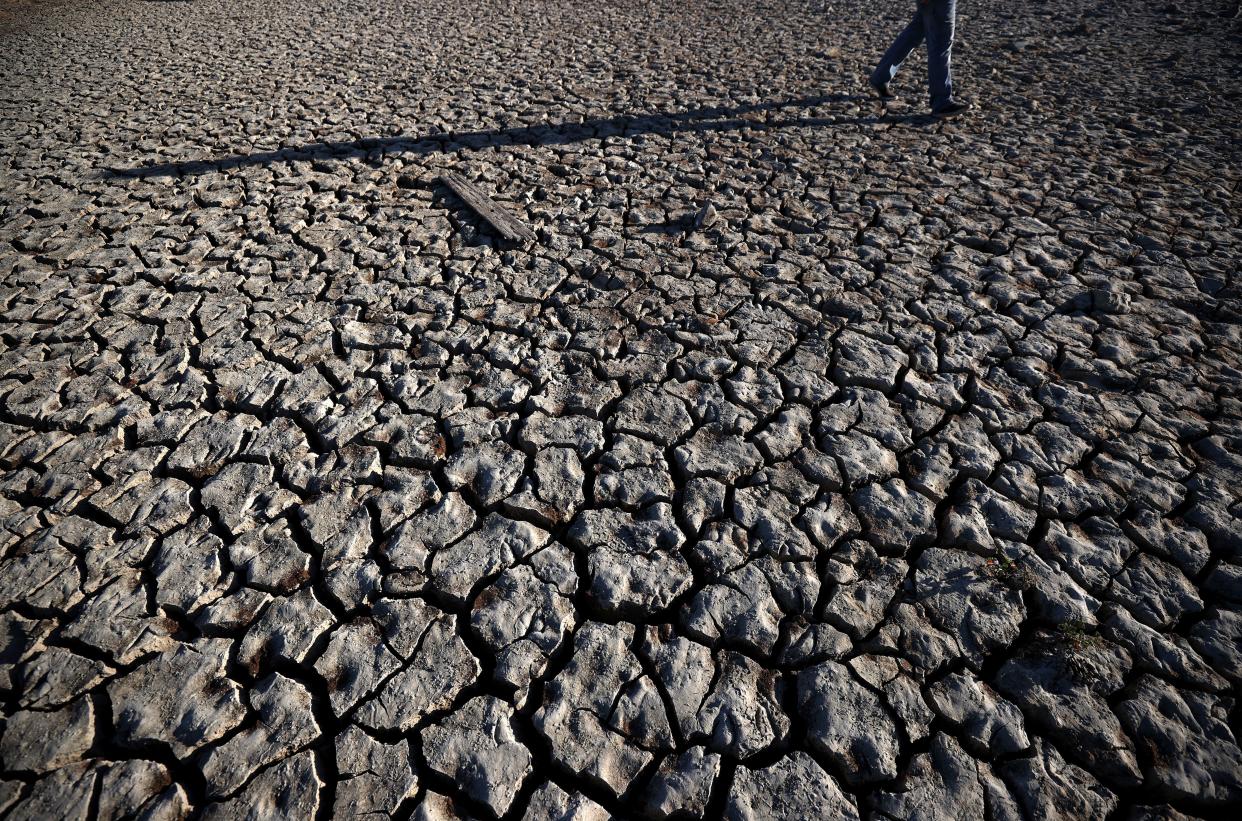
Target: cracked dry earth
column 817, row 461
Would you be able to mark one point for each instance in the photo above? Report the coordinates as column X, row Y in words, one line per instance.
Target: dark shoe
column 951, row 109
column 882, row 90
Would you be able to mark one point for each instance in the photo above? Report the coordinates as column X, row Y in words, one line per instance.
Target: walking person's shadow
column 711, row 118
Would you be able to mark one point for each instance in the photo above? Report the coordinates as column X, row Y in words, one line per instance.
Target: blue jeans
column 933, row 21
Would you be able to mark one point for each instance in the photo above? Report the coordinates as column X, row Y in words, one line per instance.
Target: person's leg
column 897, row 53
column 938, row 22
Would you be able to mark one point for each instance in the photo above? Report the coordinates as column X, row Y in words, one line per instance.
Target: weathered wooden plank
column 507, row 225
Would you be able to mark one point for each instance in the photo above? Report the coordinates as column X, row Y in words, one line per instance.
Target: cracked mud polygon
column 817, row 459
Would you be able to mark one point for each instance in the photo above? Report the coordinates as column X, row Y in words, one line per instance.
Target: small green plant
column 1075, row 634
column 1079, row 664
column 1007, row 570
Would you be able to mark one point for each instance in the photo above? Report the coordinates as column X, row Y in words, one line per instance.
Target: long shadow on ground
column 712, row 118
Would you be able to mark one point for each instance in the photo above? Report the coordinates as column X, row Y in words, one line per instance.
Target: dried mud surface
column 819, row 460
